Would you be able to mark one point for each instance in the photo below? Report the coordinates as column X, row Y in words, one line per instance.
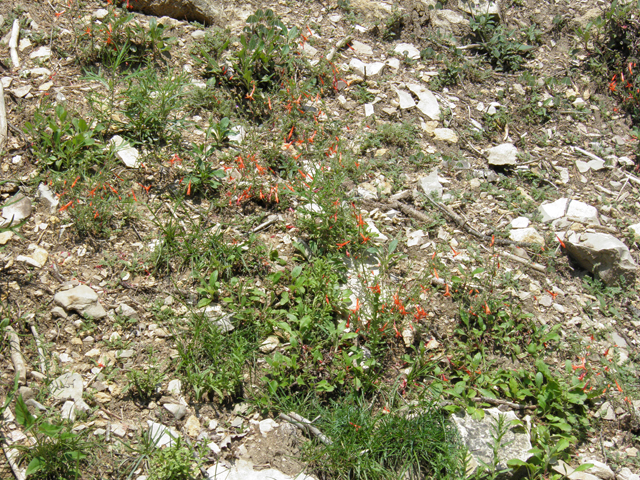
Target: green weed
column 498, row 44
column 172, row 463
column 62, row 141
column 58, row 452
column 371, row 444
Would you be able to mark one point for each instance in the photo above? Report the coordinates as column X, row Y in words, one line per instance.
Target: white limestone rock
column 603, row 254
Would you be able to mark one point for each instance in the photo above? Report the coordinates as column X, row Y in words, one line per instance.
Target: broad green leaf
column 539, row 379
column 35, row 465
column 562, row 444
column 583, row 467
column 285, row 298
column 204, row 302
column 23, row 416
column 295, row 273
column 324, row 386
column 392, row 246
column 49, row 429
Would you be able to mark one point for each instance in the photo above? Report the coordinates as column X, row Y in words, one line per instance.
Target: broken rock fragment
column 477, row 436
column 526, row 235
column 572, row 209
column 17, row 208
column 67, row 387
column 126, row 153
column 603, row 254
column 503, row 155
column 407, row 49
column 366, row 69
column 431, row 184
column 81, row 299
column 207, row 12
column 428, row 103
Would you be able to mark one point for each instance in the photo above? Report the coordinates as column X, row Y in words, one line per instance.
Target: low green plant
column 62, row 141
column 548, row 449
column 105, row 41
column 58, row 452
column 144, row 382
column 368, row 443
column 172, row 463
column 402, row 136
column 215, row 42
column 264, row 58
column 140, row 454
column 362, row 95
column 203, row 177
column 211, row 363
column 499, row 44
column 209, row 290
column 154, row 39
column 152, row 102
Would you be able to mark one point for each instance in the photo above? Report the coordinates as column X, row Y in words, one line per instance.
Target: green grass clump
column 379, row 445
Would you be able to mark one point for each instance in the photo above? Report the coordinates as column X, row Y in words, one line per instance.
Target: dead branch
column 535, row 266
column 43, row 365
column 16, row 355
column 3, row 120
column 13, row 44
column 305, row 424
column 12, row 456
column 497, row 401
column 462, row 223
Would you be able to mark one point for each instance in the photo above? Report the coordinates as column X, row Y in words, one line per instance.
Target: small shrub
column 172, row 463
column 58, row 451
column 499, row 45
column 62, row 141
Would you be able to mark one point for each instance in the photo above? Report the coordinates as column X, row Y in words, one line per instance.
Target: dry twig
column 12, row 455
column 43, row 365
column 305, row 424
column 3, row 120
column 497, row 401
column 16, row 355
column 13, row 44
column 535, row 266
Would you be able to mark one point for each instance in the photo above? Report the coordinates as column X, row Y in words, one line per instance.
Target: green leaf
column 35, row 465
column 565, row 427
column 273, row 387
column 516, row 463
column 583, row 467
column 486, row 393
column 539, row 379
column 23, row 416
column 562, row 444
column 324, row 386
column 392, row 246
column 285, row 298
column 204, row 302
column 49, row 429
column 295, row 273
column 305, row 322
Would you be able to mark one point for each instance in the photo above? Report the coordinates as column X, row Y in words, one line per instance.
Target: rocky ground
column 397, row 209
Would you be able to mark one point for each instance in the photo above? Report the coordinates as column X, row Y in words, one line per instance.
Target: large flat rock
column 603, row 254
column 478, row 436
column 81, row 299
column 207, row 12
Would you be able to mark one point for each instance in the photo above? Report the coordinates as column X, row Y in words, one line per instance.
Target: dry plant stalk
column 3, row 120
column 13, row 44
column 16, row 355
column 305, row 424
